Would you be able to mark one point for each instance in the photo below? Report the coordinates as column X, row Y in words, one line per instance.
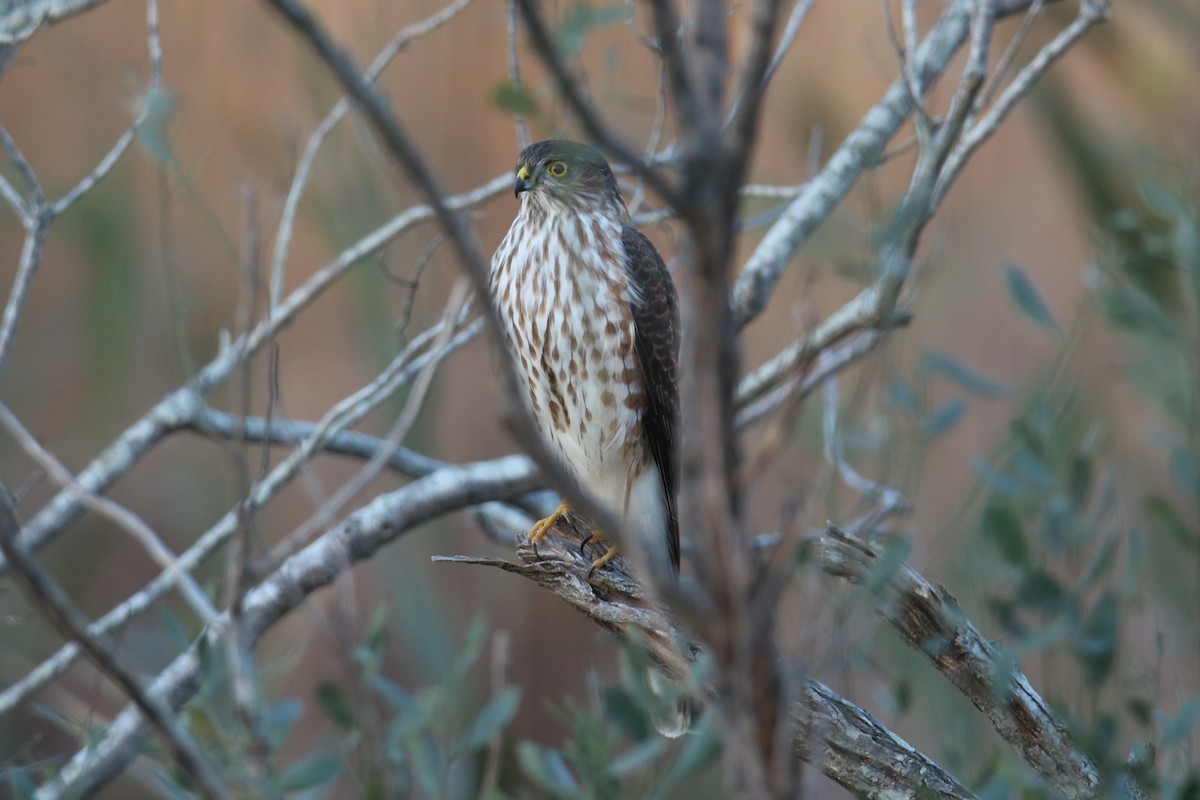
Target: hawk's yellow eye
column 557, row 168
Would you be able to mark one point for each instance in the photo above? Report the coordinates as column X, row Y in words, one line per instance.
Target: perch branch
column 842, row 740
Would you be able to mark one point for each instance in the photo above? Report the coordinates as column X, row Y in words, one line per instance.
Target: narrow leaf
column 427, row 763
column 1179, row 728
column 621, row 707
column 279, row 720
column 904, row 397
column 1167, row 519
column 1097, row 643
column 699, row 751
column 1001, row 527
column 494, row 717
column 514, row 98
column 960, row 373
column 315, row 770
column 1184, row 470
column 1026, row 296
column 943, row 419
column 335, row 704
column 547, row 769
column 637, row 757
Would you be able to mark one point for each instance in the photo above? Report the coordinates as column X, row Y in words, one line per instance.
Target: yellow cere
column 523, row 173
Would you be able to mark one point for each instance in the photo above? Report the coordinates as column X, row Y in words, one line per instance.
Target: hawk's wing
column 656, row 338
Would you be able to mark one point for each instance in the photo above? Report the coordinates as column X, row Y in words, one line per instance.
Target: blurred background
column 1015, row 329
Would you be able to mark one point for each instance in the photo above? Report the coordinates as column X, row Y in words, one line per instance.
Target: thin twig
column 1091, row 13
column 858, row 152
column 316, row 139
column 119, row 515
column 591, row 120
column 359, row 536
column 438, row 350
column 514, row 73
column 57, row 607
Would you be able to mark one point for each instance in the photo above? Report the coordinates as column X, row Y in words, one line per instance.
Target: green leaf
column 1040, row 590
column 494, row 717
column 1102, row 562
column 1135, row 310
column 1161, row 200
column 1141, row 710
column 998, row 480
column 1079, row 479
column 472, row 647
column 374, row 640
column 895, row 551
column 1000, row 674
column 279, row 720
column 1178, row 728
column 1184, row 470
column 960, row 373
column 1001, row 526
column 943, row 419
column 637, row 757
column 428, row 765
column 1097, row 643
column 514, row 98
column 397, row 698
column 175, row 632
column 699, row 751
column 335, row 704
column 621, row 707
column 1026, row 296
column 160, row 109
column 547, row 768
column 581, row 19
column 903, row 396
column 307, row 773
column 22, row 785
column 1167, row 519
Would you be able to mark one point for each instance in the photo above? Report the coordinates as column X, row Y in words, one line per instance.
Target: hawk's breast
column 560, row 287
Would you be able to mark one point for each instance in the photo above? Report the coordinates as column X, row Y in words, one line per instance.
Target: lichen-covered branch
column 828, row 731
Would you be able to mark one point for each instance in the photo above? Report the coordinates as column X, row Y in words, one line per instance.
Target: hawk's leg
column 602, row 560
column 543, row 526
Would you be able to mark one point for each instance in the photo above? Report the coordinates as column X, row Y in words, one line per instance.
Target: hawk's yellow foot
column 543, row 526
column 608, row 556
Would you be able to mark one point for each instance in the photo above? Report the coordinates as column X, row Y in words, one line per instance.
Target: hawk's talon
column 543, row 527
column 602, row 561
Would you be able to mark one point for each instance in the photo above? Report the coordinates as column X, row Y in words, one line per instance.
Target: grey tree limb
column 826, row 730
column 861, row 150
column 930, row 621
column 54, row 603
column 357, row 537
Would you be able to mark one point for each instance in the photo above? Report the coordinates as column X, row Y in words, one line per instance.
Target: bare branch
column 591, row 120
column 122, row 517
column 22, row 18
column 359, row 536
column 828, row 731
column 514, row 72
column 1091, row 13
column 56, row 606
column 861, row 150
column 316, row 139
column 929, row 620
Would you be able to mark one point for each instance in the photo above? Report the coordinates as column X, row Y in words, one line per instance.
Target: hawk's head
column 561, row 175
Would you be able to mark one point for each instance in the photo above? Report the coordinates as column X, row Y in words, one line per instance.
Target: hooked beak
column 524, row 182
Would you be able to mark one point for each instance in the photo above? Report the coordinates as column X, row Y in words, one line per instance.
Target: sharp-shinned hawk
column 591, row 319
